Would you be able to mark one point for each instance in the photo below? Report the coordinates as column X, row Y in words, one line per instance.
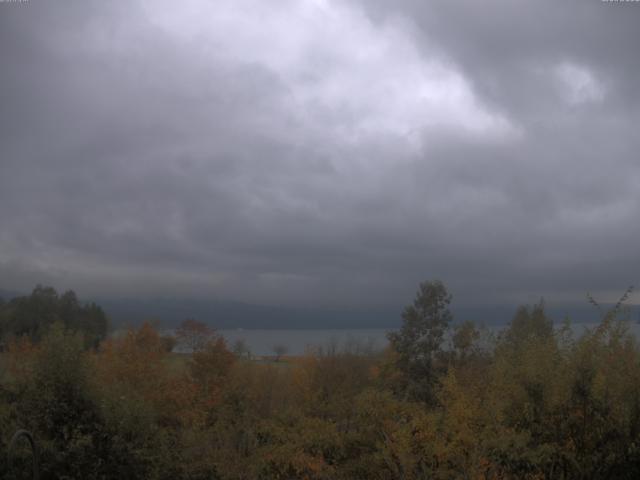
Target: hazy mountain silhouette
column 227, row 314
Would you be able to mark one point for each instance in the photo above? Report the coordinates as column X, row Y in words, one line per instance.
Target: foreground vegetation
column 441, row 402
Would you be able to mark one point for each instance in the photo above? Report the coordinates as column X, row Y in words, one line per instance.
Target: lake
column 261, row 342
column 297, row 342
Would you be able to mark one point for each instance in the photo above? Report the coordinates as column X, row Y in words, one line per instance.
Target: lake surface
column 297, row 342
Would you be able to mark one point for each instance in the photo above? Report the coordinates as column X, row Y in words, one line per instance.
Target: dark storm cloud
column 320, row 152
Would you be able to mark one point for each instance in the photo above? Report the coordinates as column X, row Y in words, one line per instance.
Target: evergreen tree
column 418, row 344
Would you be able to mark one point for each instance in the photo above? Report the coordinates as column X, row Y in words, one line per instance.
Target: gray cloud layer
column 320, row 152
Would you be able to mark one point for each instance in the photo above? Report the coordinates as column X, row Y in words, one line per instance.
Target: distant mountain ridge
column 169, row 312
column 228, row 315
column 9, row 294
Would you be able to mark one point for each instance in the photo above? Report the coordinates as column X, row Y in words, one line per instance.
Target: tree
column 209, row 368
column 57, row 405
column 240, row 348
column 143, row 403
column 34, row 314
column 418, row 344
column 280, row 350
column 194, row 335
column 464, row 339
column 94, row 324
column 169, row 342
column 529, row 323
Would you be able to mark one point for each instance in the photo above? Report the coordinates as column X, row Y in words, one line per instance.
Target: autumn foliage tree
column 209, row 369
column 193, row 335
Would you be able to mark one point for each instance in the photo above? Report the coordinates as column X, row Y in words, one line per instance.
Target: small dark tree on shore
column 280, row 350
column 240, row 349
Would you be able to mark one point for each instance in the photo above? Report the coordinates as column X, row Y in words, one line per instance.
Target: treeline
column 443, row 402
column 33, row 315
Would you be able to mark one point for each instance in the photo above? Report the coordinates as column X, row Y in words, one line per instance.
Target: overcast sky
column 320, row 152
